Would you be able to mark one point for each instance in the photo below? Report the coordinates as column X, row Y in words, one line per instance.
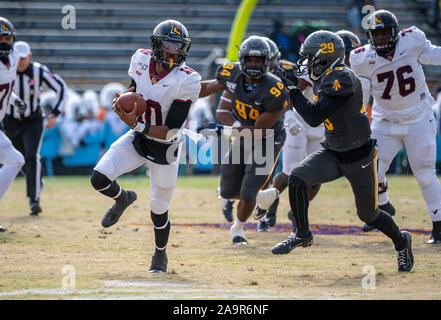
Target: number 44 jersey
column 397, row 83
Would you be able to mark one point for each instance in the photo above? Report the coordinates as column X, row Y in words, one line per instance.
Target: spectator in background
column 300, row 31
column 281, row 37
column 354, row 15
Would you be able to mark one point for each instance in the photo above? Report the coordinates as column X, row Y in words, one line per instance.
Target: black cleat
column 227, row 209
column 159, row 262
column 259, row 213
column 292, row 242
column 238, row 240
column 2, row 229
column 405, row 256
column 113, row 214
column 35, row 208
column 388, row 208
column 262, row 225
column 291, row 217
column 434, row 239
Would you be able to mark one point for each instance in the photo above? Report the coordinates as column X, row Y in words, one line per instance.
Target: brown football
column 127, row 102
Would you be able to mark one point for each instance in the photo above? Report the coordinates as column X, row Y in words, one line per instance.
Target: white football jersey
column 181, row 83
column 398, row 86
column 7, row 78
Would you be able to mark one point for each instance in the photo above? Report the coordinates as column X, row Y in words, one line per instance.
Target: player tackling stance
column 169, row 88
column 252, row 101
column 390, row 69
column 348, row 149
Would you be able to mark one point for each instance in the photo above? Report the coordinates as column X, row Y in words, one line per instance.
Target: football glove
column 210, row 127
column 288, row 77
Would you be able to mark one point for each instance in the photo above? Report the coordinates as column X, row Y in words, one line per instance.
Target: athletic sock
column 299, row 201
column 161, row 226
column 387, row 225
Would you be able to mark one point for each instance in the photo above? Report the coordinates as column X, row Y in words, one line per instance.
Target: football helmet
column 275, row 54
column 350, row 40
column 170, row 37
column 6, row 29
column 382, row 20
column 320, row 52
column 254, row 46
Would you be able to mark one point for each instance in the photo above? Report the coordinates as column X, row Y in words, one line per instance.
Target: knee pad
column 247, row 194
column 295, row 181
column 99, row 181
column 159, row 206
column 426, row 178
column 227, row 194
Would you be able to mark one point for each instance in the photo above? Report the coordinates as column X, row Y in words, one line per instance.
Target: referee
column 24, row 126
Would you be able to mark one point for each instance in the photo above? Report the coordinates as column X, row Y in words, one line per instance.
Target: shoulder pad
column 413, row 37
column 357, row 58
column 277, row 98
column 337, row 82
column 228, row 72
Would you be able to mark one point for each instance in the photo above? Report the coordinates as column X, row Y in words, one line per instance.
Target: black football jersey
column 268, row 96
column 348, row 128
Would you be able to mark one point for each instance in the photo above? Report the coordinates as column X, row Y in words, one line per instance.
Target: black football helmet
column 171, row 37
column 275, row 54
column 382, row 20
column 6, row 29
column 320, row 52
column 254, row 46
column 350, row 40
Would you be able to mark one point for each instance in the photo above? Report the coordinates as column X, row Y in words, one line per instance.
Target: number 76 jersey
column 398, row 84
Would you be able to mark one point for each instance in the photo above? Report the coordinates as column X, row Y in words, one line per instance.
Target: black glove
column 288, row 77
column 20, row 105
column 210, row 127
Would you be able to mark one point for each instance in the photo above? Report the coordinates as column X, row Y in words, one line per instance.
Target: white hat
column 22, row 48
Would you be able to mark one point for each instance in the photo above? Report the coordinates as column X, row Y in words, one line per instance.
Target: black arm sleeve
column 315, row 113
column 177, row 114
column 132, row 84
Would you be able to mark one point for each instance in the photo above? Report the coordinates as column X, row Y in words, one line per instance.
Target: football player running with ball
column 348, row 150
column 251, row 105
column 169, row 88
column 390, row 68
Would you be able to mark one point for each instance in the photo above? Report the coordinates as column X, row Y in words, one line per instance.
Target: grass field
column 66, row 245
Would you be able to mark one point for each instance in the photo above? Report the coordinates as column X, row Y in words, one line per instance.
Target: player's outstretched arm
column 224, row 108
column 209, row 87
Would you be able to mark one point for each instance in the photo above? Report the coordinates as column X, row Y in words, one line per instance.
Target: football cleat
column 237, row 240
column 259, row 213
column 405, row 256
column 159, row 262
column 388, row 208
column 265, row 198
column 262, row 225
column 227, row 209
column 434, row 239
column 113, row 214
column 270, row 218
column 292, row 242
column 35, row 208
column 2, row 229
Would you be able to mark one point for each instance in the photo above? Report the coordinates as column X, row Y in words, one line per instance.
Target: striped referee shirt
column 28, row 85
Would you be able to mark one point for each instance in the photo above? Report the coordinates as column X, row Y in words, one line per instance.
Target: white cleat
column 237, row 235
column 265, row 198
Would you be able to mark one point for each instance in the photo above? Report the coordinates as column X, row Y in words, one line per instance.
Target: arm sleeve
column 315, row 113
column 177, row 114
column 57, row 84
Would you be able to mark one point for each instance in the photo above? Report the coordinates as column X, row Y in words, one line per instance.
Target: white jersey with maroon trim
column 7, row 78
column 398, row 85
column 181, row 83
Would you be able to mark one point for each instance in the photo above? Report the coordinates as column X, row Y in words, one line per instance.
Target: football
column 127, row 102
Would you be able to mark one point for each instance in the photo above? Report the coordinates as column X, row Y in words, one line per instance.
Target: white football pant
column 12, row 161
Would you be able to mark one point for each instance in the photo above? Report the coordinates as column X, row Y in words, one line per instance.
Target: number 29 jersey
column 268, row 96
column 398, row 85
